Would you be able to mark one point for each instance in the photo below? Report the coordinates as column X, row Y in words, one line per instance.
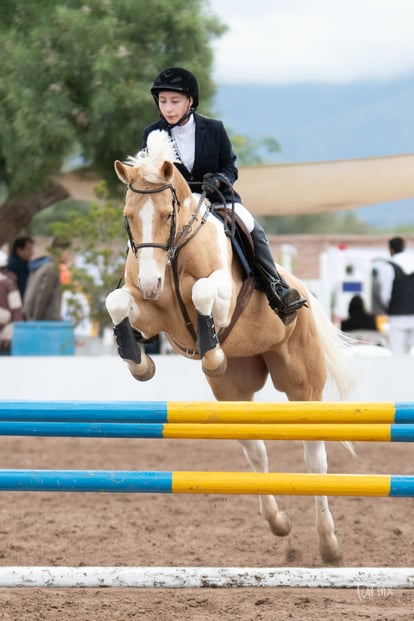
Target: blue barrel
column 43, row 338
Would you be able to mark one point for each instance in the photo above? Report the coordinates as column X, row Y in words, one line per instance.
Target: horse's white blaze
column 212, row 295
column 121, row 304
column 150, row 277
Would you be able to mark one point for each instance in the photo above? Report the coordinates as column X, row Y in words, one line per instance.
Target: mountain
column 317, row 122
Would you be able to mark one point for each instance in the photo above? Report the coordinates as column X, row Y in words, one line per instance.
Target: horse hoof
column 332, row 557
column 330, row 550
column 214, row 362
column 144, row 374
column 281, row 524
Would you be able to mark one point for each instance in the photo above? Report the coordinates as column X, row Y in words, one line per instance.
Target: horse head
column 152, row 211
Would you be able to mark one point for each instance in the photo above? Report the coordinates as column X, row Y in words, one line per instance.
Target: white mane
column 160, row 148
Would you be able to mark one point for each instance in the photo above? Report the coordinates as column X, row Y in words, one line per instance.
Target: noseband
column 169, row 247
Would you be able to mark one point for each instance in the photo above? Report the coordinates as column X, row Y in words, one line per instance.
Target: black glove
column 210, row 183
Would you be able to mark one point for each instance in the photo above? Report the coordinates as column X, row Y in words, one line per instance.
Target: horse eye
column 168, row 217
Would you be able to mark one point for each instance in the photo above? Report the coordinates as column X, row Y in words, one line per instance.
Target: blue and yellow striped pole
column 226, row 412
column 291, row 484
column 192, row 431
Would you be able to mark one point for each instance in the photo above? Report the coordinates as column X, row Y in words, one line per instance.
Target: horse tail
column 336, row 346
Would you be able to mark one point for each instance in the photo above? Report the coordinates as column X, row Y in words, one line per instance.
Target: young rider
column 207, row 159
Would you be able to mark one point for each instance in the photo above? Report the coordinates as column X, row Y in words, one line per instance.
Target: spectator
column 358, row 317
column 21, row 253
column 65, row 261
column 396, row 285
column 42, row 300
column 10, row 305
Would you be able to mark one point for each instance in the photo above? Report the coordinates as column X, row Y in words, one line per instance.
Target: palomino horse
column 181, row 279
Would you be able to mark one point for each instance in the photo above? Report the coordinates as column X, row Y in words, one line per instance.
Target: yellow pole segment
column 285, row 412
column 280, row 483
column 323, row 431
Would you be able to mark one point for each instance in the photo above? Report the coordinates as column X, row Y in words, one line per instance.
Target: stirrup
column 290, row 300
column 286, row 303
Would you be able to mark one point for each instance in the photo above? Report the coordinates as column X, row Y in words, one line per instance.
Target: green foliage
column 252, row 152
column 43, row 221
column 76, row 75
column 98, row 240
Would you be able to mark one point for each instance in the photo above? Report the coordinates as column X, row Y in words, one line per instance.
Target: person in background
column 358, row 317
column 10, row 305
column 43, row 297
column 396, row 288
column 207, row 162
column 65, row 261
column 18, row 263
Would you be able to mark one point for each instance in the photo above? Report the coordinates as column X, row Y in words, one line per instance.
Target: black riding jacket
column 213, row 154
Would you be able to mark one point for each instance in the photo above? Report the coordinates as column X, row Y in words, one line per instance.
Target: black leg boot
column 284, row 300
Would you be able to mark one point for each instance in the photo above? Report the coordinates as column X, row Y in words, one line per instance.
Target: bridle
column 170, row 247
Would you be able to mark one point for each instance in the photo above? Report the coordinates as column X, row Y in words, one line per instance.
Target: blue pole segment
column 81, row 430
column 404, row 412
column 85, row 481
column 402, row 486
column 77, row 411
column 402, row 433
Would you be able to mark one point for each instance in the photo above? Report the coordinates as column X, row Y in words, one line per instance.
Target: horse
column 183, row 278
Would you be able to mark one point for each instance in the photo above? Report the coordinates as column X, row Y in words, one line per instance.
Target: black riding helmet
column 176, row 79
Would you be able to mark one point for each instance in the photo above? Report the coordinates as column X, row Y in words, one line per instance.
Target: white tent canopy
column 283, row 189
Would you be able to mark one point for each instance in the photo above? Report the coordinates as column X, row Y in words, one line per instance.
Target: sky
column 294, row 41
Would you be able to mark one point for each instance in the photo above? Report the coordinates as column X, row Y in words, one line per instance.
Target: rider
column 207, row 160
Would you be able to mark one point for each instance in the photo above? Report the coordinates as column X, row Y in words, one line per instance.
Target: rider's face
column 173, row 106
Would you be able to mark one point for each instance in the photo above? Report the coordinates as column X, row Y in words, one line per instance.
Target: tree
column 251, row 152
column 75, row 76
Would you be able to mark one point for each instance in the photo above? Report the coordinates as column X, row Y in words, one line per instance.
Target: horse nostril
column 151, row 288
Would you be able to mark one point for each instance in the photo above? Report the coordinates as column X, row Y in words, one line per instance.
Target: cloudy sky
column 288, row 41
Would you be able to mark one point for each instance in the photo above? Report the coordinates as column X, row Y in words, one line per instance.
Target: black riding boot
column 284, row 300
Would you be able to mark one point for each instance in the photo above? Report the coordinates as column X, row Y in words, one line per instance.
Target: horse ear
column 122, row 171
column 167, row 170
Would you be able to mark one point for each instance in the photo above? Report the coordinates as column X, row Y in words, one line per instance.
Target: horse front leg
column 212, row 297
column 122, row 308
column 256, row 455
column 316, row 461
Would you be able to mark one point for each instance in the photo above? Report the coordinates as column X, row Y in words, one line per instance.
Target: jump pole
column 215, row 431
column 208, row 412
column 207, row 577
column 180, row 482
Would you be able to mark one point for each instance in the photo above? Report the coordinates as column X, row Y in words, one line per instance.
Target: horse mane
column 160, row 148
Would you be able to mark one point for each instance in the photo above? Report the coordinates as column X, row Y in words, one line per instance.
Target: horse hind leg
column 256, row 455
column 316, row 461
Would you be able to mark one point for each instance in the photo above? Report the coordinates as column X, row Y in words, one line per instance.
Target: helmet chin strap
column 181, row 121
